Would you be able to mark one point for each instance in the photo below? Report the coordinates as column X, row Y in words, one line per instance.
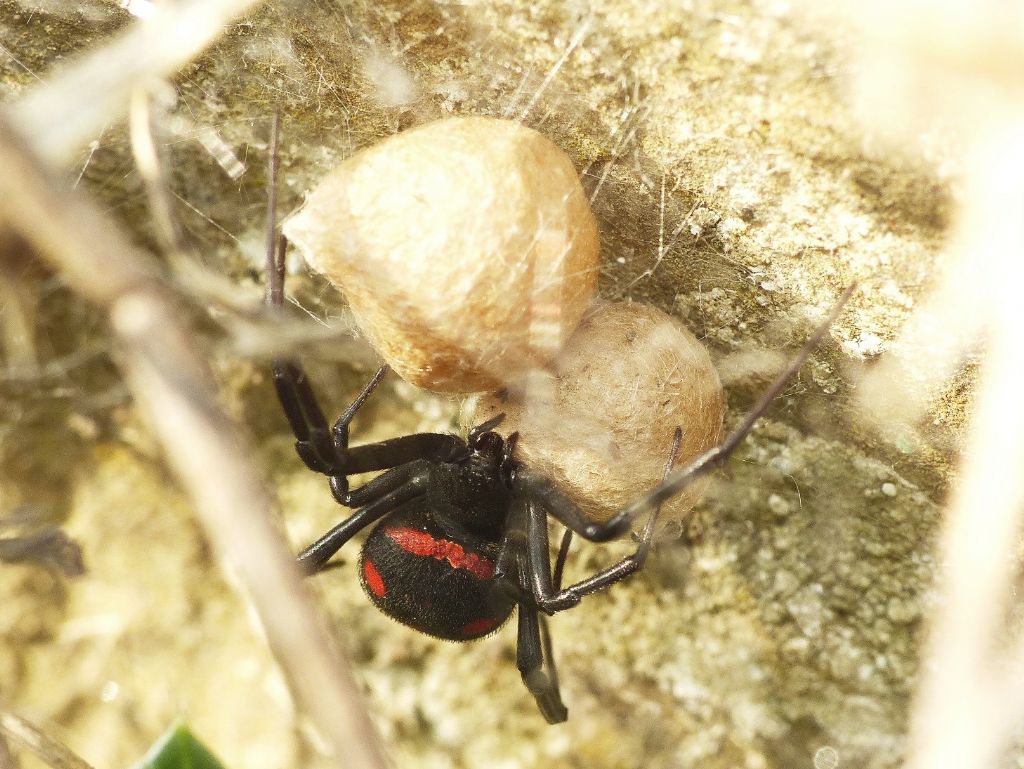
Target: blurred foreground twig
column 957, row 66
column 74, row 106
column 25, row 733
column 202, row 445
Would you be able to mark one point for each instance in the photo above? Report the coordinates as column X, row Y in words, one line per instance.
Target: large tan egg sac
column 602, row 427
column 466, row 249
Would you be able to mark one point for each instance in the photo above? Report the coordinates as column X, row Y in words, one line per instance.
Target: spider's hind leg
column 313, row 441
column 534, row 656
column 534, row 486
column 536, row 663
column 545, row 498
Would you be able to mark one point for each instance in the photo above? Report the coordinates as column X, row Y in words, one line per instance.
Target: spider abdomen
column 431, row 582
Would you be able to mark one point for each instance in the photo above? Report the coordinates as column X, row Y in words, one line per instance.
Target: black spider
column 460, row 535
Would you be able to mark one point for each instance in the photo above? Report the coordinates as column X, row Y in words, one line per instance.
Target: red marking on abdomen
column 373, row 579
column 478, row 626
column 421, row 543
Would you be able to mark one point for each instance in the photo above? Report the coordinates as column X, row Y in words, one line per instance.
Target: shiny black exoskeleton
column 433, row 565
column 460, row 537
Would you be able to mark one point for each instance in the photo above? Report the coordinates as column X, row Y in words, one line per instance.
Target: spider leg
column 313, row 441
column 339, row 433
column 312, row 438
column 393, row 452
column 537, row 665
column 563, row 553
column 325, row 449
column 534, row 657
column 534, row 486
column 321, row 448
column 547, row 589
column 381, row 496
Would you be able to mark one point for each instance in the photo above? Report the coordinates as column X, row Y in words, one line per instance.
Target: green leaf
column 179, row 749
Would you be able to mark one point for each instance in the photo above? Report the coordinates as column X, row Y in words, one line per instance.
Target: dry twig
column 202, row 445
column 73, row 107
column 53, row 753
column 960, row 68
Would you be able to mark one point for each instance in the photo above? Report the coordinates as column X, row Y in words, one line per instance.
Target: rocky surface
column 733, row 188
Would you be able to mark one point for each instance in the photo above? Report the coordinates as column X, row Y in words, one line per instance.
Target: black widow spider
column 461, row 535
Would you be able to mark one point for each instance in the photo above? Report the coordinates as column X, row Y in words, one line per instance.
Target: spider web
column 733, row 190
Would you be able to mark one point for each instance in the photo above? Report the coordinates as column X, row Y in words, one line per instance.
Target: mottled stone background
column 735, row 188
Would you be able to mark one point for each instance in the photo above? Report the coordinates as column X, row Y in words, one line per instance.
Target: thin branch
column 147, row 161
column 962, row 716
column 25, row 733
column 94, row 89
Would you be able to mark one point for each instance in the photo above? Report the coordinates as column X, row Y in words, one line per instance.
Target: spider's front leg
column 544, row 496
column 321, row 448
column 545, row 583
column 325, row 449
column 406, row 459
column 316, row 444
